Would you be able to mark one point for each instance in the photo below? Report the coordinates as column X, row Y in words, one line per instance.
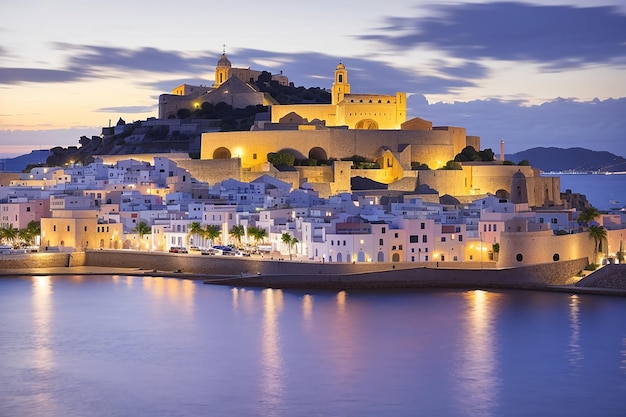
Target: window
column 555, row 257
column 395, row 235
column 554, row 220
column 494, row 227
column 54, row 228
column 68, row 227
column 519, row 257
column 460, row 238
column 28, row 209
column 541, row 220
column 422, row 226
column 443, row 238
column 412, row 258
column 414, row 238
column 380, row 242
column 399, row 247
column 426, row 258
column 425, row 239
column 383, row 230
column 85, row 228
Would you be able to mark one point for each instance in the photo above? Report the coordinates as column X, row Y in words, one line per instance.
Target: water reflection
column 272, row 367
column 178, row 292
column 307, row 310
column 479, row 381
column 574, row 352
column 42, row 343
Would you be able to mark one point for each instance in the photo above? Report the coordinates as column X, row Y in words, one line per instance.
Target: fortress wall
column 453, row 182
column 41, row 260
column 308, row 111
column 384, row 176
column 473, row 141
column 458, row 136
column 491, row 178
column 213, row 170
column 315, row 174
column 540, row 247
column 431, row 147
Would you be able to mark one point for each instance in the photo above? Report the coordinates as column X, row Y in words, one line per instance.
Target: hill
column 571, row 159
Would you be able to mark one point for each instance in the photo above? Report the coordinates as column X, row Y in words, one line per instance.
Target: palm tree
column 8, row 234
column 257, row 233
column 587, row 216
column 142, row 229
column 195, row 228
column 290, row 241
column 34, row 230
column 212, row 232
column 238, row 231
column 598, row 234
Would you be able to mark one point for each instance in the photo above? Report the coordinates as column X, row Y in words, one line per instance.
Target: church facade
column 356, row 111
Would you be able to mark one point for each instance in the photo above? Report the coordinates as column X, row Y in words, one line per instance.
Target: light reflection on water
column 479, row 381
column 104, row 346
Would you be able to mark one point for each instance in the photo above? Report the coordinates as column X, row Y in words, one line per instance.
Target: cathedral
column 355, row 111
column 234, row 86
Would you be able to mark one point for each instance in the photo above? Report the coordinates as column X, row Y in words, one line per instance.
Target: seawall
column 274, row 273
column 260, row 272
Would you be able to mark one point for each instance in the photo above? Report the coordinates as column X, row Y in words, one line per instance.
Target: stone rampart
column 41, row 260
column 267, row 272
column 609, row 276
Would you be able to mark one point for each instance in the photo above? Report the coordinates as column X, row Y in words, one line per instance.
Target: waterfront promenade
column 273, row 273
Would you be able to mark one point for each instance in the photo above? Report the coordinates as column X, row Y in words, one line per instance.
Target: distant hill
column 18, row 163
column 574, row 159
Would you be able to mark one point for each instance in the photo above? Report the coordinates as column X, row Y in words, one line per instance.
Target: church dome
column 341, row 66
column 223, row 62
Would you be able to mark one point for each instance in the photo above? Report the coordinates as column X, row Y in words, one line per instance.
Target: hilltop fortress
column 373, row 126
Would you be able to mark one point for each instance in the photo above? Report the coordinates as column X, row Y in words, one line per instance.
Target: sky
column 548, row 73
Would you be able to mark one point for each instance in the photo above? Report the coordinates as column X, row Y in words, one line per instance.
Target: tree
column 587, row 216
column 290, row 241
column 281, row 158
column 8, row 234
column 257, row 234
column 452, row 165
column 142, row 228
column 237, row 231
column 212, row 232
column 598, row 234
column 195, row 228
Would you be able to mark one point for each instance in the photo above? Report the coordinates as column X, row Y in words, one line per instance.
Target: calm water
column 139, row 346
column 599, row 189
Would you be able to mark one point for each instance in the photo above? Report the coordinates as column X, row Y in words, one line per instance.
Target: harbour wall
column 283, row 273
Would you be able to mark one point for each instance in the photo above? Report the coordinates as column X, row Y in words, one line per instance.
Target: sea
column 603, row 191
column 141, row 346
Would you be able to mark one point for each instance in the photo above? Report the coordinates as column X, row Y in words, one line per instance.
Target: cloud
column 143, row 59
column 90, row 62
column 556, row 37
column 37, row 75
column 127, row 109
column 563, row 122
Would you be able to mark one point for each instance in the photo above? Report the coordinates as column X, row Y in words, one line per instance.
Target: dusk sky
column 549, row 73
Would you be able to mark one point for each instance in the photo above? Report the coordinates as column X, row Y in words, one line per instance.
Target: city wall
column 543, row 247
column 41, row 260
column 267, row 272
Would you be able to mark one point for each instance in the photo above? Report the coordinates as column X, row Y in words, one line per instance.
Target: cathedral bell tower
column 222, row 70
column 340, row 84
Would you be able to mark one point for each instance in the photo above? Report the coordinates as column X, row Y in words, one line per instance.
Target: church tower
column 222, row 71
column 340, row 85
